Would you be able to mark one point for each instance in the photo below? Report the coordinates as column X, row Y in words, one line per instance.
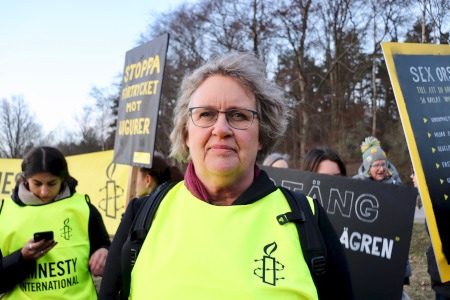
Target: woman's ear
column 148, row 180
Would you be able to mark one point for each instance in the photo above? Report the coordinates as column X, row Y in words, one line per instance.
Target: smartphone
column 44, row 235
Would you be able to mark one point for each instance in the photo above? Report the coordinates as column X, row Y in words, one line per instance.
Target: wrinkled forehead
column 223, row 90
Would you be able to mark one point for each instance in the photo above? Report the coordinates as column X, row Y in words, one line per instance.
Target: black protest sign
column 420, row 76
column 139, row 103
column 373, row 220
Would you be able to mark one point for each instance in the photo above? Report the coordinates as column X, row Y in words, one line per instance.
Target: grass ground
column 420, row 288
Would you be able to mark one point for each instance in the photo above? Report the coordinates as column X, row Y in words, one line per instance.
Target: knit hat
column 371, row 151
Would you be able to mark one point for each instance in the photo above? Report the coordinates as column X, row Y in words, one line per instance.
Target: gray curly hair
column 249, row 71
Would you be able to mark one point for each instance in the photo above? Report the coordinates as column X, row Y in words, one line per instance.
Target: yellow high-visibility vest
column 63, row 272
column 195, row 250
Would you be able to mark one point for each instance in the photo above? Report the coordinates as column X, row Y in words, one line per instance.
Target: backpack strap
column 138, row 232
column 311, row 240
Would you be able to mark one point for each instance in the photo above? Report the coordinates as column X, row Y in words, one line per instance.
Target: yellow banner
column 98, row 177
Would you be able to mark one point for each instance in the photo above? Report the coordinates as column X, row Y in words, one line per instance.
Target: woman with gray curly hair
column 250, row 73
column 213, row 230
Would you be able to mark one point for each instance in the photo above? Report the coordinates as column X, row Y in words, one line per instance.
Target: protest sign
column 420, row 76
column 139, row 103
column 373, row 220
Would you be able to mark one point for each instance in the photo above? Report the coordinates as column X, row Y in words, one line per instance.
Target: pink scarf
column 196, row 187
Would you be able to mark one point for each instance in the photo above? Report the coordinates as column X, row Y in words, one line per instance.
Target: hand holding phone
column 43, row 235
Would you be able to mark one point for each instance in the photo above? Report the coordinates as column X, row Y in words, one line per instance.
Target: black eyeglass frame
column 254, row 114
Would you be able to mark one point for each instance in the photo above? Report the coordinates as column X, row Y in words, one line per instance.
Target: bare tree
column 294, row 18
column 104, row 103
column 342, row 26
column 243, row 25
column 387, row 17
column 323, row 52
column 438, row 12
column 19, row 130
column 186, row 50
column 85, row 139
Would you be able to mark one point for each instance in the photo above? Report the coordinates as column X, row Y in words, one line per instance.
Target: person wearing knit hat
column 376, row 166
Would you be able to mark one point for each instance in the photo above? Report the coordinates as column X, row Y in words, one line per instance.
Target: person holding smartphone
column 51, row 237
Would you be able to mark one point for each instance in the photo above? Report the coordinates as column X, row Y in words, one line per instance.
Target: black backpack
column 312, row 243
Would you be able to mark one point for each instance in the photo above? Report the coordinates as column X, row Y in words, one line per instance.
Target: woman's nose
column 221, row 127
column 44, row 190
column 222, row 118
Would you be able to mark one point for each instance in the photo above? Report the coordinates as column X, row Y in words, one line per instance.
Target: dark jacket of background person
column 441, row 288
column 113, row 268
column 161, row 172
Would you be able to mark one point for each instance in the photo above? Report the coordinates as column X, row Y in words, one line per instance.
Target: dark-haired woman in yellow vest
column 58, row 267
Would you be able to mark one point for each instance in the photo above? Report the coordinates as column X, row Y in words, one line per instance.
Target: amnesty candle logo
column 66, row 230
column 270, row 266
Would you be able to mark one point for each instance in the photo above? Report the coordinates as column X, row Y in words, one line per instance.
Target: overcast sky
column 53, row 52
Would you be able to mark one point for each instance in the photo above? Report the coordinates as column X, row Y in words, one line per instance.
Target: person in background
column 212, row 230
column 441, row 289
column 277, row 160
column 148, row 180
column 413, row 178
column 376, row 167
column 45, row 199
column 323, row 160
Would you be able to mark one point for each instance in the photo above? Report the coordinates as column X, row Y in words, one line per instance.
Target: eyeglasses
column 377, row 166
column 238, row 118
